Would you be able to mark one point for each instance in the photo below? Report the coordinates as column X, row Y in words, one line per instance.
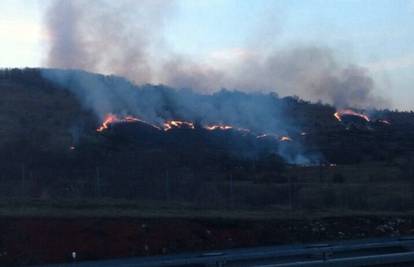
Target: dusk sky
column 377, row 35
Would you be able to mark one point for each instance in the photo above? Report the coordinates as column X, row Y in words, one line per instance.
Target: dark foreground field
column 34, row 239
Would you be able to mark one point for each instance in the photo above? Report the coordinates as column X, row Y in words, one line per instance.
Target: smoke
column 156, row 104
column 312, row 73
column 126, row 38
column 64, row 26
column 106, row 36
column 180, row 72
column 258, row 112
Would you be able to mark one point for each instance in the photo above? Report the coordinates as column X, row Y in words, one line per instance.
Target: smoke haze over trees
column 127, row 38
column 50, row 147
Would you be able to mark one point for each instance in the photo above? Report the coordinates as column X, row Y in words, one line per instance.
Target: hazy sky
column 377, row 34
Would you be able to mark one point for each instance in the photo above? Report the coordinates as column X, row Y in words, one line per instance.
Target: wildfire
column 285, row 139
column 218, row 127
column 266, row 135
column 177, row 124
column 112, row 119
column 109, row 119
column 168, row 125
column 348, row 112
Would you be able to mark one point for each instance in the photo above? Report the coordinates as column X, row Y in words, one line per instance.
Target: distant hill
column 49, row 136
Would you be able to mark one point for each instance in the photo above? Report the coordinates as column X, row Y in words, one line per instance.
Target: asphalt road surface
column 368, row 252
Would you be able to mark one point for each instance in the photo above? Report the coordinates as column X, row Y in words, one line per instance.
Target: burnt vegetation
column 50, row 149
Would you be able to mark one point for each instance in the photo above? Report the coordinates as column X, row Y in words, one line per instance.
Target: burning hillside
column 176, row 124
column 117, row 140
column 349, row 116
column 155, row 147
column 238, row 123
column 218, row 127
column 114, row 123
column 285, row 139
column 347, row 113
column 111, row 119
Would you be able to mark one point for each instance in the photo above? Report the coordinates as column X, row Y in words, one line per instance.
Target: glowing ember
column 218, row 127
column 109, row 119
column 130, row 119
column 168, row 125
column 112, row 119
column 348, row 112
column 285, row 139
column 266, row 135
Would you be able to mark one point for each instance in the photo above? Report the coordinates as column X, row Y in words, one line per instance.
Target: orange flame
column 349, row 112
column 112, row 118
column 168, row 125
column 266, row 135
column 109, row 119
column 225, row 128
column 285, row 139
column 218, row 127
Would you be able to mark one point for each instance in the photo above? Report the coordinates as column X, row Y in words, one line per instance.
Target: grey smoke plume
column 107, row 36
column 156, row 104
column 126, row 38
column 312, row 73
column 64, row 20
column 259, row 113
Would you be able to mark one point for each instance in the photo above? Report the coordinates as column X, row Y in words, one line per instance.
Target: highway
column 369, row 252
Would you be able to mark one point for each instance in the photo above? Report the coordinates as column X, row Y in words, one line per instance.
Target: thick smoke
column 259, row 113
column 126, row 38
column 310, row 72
column 156, row 104
column 107, row 36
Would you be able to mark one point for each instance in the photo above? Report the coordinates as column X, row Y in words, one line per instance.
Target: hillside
column 96, row 164
column 50, row 146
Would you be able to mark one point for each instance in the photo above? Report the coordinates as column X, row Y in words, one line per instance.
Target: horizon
column 366, row 111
